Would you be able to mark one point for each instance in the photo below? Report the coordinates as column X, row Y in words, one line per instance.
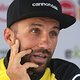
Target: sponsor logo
column 68, row 7
column 75, row 53
column 79, row 2
column 3, row 7
column 79, row 13
column 44, row 4
column 79, row 9
column 3, row 10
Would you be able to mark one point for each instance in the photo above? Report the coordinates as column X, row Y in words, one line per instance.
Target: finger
column 30, row 65
column 15, row 48
column 21, row 54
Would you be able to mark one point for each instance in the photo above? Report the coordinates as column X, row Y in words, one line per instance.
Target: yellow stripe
column 48, row 76
column 3, row 75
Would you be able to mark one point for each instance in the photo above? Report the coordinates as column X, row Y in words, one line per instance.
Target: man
column 32, row 33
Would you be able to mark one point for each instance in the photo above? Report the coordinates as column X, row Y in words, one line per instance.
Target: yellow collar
column 48, row 75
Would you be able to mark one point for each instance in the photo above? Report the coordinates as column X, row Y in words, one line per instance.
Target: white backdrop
column 68, row 46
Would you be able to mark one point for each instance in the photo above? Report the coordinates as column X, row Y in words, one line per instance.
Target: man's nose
column 45, row 42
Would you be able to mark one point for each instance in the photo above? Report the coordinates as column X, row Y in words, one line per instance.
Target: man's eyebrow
column 55, row 27
column 36, row 24
column 40, row 25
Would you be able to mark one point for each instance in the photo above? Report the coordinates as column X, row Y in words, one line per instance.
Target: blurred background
column 68, row 46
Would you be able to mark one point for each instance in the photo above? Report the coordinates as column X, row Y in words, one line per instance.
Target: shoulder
column 63, row 63
column 2, row 66
column 3, row 74
column 64, row 70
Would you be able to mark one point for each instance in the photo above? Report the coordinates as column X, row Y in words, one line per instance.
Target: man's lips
column 39, row 57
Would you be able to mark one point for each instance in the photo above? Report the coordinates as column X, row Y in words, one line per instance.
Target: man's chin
column 40, row 68
column 36, row 71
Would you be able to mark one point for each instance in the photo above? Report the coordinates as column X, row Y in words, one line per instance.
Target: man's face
column 40, row 35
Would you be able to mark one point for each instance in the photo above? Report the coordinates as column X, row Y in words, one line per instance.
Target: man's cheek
column 27, row 45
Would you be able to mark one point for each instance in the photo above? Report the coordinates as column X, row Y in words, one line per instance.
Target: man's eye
column 53, row 34
column 35, row 30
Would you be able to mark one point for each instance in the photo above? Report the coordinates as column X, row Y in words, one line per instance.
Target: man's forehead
column 46, row 21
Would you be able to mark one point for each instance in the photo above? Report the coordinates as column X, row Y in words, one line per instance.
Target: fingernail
column 37, row 65
column 29, row 50
column 16, row 41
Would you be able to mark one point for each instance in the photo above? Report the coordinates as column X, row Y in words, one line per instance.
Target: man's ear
column 9, row 36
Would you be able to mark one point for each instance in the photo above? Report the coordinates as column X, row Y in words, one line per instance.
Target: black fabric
column 62, row 69
column 21, row 9
column 6, row 60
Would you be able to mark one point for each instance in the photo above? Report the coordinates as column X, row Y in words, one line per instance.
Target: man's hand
column 15, row 70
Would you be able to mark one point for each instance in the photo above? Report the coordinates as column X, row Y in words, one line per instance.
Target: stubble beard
column 36, row 72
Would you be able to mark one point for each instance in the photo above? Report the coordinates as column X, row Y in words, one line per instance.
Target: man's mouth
column 39, row 57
